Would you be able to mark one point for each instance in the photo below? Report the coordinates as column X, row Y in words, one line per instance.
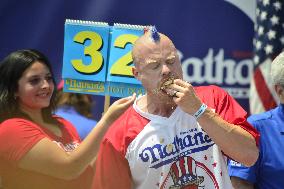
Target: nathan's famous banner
column 97, row 58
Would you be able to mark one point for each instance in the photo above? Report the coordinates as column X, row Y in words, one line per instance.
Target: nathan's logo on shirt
column 183, row 145
column 68, row 147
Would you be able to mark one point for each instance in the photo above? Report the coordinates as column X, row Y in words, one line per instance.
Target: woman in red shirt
column 38, row 149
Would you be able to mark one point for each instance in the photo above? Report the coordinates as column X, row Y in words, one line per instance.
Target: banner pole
column 107, row 103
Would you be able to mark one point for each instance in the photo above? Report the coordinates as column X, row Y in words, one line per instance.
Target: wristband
column 200, row 111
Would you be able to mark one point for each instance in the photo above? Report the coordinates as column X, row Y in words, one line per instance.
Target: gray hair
column 277, row 70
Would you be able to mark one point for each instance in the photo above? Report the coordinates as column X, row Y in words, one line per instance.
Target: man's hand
column 184, row 96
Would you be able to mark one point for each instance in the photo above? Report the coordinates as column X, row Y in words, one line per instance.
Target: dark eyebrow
column 35, row 76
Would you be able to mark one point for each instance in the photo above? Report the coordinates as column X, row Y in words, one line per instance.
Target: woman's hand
column 117, row 108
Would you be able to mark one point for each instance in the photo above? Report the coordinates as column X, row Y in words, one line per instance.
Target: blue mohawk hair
column 154, row 34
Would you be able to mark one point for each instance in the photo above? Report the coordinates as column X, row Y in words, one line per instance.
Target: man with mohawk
column 176, row 135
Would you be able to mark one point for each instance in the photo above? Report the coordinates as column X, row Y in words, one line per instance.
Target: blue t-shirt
column 82, row 124
column 268, row 171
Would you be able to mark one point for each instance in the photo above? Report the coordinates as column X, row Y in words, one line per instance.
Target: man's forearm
column 233, row 140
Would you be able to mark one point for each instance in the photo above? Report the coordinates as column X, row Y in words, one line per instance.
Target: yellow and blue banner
column 97, row 58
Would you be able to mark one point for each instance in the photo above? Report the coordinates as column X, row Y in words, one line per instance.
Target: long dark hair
column 11, row 70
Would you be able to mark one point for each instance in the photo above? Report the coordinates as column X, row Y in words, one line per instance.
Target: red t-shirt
column 17, row 137
column 140, row 149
